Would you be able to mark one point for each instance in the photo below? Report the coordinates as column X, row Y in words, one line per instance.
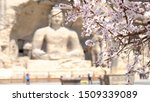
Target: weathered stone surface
column 60, row 42
column 65, row 68
column 29, row 16
column 12, row 73
column 5, row 61
column 58, row 68
column 5, row 73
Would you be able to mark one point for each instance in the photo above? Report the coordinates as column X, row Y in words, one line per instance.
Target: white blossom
column 89, row 43
column 113, row 19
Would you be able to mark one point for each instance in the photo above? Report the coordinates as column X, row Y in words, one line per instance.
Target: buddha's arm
column 37, row 52
column 38, row 40
column 76, row 49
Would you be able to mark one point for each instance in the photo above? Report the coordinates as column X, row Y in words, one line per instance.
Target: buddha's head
column 56, row 17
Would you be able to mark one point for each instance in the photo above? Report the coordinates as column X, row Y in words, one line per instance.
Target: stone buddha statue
column 60, row 42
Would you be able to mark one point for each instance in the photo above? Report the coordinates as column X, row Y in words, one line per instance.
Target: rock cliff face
column 28, row 17
column 19, row 19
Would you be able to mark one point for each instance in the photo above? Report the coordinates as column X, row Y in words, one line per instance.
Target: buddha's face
column 56, row 18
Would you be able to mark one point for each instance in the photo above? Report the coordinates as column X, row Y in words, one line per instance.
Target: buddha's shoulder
column 67, row 30
column 44, row 29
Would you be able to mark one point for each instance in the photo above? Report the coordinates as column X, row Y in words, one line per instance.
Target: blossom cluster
column 125, row 22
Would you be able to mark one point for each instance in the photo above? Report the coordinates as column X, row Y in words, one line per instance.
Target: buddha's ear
column 49, row 19
column 63, row 21
column 62, row 24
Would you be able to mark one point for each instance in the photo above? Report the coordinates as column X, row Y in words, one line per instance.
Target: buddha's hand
column 73, row 54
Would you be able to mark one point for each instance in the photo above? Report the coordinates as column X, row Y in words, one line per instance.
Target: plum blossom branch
column 124, row 21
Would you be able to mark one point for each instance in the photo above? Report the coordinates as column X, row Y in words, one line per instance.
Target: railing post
column 48, row 76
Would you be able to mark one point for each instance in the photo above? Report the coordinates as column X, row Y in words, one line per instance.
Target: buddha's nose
column 56, row 20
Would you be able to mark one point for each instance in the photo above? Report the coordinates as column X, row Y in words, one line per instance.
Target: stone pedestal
column 57, row 68
column 49, row 71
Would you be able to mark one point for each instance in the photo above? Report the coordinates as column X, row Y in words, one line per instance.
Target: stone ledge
column 57, row 64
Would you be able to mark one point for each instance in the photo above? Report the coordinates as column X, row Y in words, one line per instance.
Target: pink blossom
column 113, row 19
column 77, row 3
column 89, row 43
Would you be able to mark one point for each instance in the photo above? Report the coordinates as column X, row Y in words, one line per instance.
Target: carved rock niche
column 29, row 17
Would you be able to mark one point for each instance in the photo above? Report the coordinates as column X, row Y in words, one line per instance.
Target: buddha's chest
column 57, row 37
